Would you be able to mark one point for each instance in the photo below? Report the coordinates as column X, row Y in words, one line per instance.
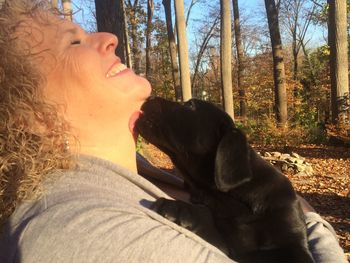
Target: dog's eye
column 190, row 104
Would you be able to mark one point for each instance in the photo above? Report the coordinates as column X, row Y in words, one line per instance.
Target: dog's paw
column 196, row 218
column 179, row 212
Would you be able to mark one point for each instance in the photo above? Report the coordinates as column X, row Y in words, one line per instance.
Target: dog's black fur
column 254, row 206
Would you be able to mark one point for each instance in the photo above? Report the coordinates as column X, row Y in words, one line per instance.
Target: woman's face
column 86, row 77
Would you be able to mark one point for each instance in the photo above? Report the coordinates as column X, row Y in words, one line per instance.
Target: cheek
column 82, row 67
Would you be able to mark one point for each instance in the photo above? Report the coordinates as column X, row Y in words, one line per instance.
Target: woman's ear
column 232, row 162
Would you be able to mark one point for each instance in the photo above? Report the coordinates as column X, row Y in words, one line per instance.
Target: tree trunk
column 240, row 60
column 192, row 4
column 54, row 4
column 298, row 16
column 109, row 18
column 67, row 9
column 134, row 36
column 172, row 50
column 295, row 56
column 226, row 57
column 337, row 37
column 295, row 46
column 202, row 48
column 150, row 9
column 183, row 50
column 309, row 64
column 278, row 64
column 214, row 61
column 127, row 51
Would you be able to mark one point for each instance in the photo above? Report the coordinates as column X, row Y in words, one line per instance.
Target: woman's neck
column 125, row 158
column 118, row 148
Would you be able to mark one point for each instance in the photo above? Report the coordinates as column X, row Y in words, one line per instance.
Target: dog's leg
column 196, row 218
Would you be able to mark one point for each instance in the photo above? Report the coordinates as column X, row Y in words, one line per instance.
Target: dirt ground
column 327, row 190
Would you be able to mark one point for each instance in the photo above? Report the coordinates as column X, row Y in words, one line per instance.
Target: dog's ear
column 232, row 162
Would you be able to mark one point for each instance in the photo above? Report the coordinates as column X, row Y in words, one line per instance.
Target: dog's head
column 201, row 140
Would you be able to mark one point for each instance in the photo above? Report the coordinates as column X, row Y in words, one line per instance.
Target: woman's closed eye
column 75, row 42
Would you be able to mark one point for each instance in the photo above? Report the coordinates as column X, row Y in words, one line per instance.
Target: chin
column 146, row 84
column 147, row 89
column 140, row 91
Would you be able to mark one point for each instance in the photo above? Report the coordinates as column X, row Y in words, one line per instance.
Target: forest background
column 303, row 26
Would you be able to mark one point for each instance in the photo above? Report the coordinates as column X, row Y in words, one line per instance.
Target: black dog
column 254, row 206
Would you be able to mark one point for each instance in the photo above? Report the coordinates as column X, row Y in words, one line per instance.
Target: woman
column 68, row 185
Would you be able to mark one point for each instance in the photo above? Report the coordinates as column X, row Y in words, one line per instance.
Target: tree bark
column 226, row 57
column 54, row 4
column 134, row 36
column 172, row 50
column 240, row 61
column 127, row 51
column 150, row 10
column 278, row 64
column 183, row 50
column 295, row 45
column 109, row 18
column 337, row 37
column 311, row 68
column 214, row 61
column 295, row 55
column 67, row 10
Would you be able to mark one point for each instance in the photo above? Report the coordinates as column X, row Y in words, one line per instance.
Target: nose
column 105, row 42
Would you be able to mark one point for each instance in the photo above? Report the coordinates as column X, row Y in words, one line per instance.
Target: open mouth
column 116, row 69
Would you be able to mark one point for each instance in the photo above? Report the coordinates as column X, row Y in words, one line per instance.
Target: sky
column 253, row 11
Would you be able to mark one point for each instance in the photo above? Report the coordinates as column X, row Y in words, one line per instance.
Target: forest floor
column 327, row 190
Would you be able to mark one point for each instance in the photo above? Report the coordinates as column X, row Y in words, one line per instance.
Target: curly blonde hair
column 26, row 156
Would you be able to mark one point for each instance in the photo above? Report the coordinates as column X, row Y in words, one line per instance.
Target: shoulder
column 87, row 217
column 103, row 231
column 322, row 240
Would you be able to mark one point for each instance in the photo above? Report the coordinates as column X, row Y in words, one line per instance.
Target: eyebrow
column 73, row 30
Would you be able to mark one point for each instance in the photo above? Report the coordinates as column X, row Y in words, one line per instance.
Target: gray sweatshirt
column 100, row 213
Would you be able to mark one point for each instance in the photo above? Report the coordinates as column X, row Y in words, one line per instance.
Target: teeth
column 115, row 70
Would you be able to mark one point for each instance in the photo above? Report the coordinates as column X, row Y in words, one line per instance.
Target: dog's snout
column 151, row 105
